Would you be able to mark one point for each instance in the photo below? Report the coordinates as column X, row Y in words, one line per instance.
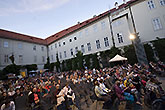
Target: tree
column 79, row 60
column 47, row 65
column 74, row 63
column 95, row 61
column 129, row 52
column 13, row 68
column 88, row 61
column 69, row 64
column 58, row 68
column 159, row 45
column 12, row 58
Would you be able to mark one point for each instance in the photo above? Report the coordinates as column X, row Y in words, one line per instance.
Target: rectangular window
column 19, row 46
column 20, row 58
column 65, row 54
column 120, row 37
column 60, row 55
column 6, row 59
column 59, row 44
column 35, row 58
column 151, row 4
column 52, row 57
column 95, row 28
column 76, row 49
column 82, row 49
column 43, row 58
column 71, row 52
column 162, row 2
column 6, row 44
column 103, row 24
column 34, row 47
column 89, row 46
column 86, row 31
column 42, row 48
column 98, row 44
column 106, row 41
column 51, row 47
column 55, row 45
column 157, row 24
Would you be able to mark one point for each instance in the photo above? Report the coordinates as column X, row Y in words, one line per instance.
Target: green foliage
column 87, row 61
column 149, row 52
column 2, row 75
column 13, row 68
column 31, row 67
column 79, row 59
column 129, row 53
column 63, row 66
column 58, row 68
column 12, row 58
column 47, row 65
column 113, row 52
column 95, row 61
column 68, row 64
column 160, row 46
column 74, row 63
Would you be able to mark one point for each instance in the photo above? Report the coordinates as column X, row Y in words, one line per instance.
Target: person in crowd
column 8, row 105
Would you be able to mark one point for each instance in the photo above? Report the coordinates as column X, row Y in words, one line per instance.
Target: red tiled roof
column 69, row 30
column 17, row 36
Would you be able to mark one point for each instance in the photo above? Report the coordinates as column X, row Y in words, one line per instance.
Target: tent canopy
column 117, row 58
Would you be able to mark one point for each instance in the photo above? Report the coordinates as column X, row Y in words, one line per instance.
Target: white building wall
column 26, row 51
column 83, row 37
column 144, row 16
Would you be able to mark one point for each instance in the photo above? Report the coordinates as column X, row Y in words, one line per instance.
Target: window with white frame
column 71, row 52
column 65, row 54
column 82, row 49
column 106, row 41
column 59, row 44
column 151, row 4
column 43, row 58
column 35, row 58
column 95, row 28
column 20, row 58
column 103, row 24
column 6, row 59
column 34, row 47
column 55, row 45
column 19, row 45
column 75, row 38
column 162, row 2
column 51, row 47
column 98, row 44
column 157, row 24
column 76, row 49
column 70, row 40
column 120, row 37
column 42, row 48
column 89, row 46
column 64, row 43
column 86, row 31
column 60, row 55
column 52, row 57
column 6, row 44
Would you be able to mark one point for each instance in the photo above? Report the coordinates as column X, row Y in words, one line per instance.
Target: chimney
column 116, row 5
column 124, row 1
column 78, row 22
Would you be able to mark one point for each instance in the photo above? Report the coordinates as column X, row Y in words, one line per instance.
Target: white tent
column 117, row 58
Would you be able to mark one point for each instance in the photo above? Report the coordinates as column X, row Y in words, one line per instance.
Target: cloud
column 8, row 7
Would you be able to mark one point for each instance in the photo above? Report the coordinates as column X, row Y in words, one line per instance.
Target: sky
column 42, row 18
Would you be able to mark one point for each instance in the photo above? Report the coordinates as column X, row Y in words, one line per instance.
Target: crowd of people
column 64, row 90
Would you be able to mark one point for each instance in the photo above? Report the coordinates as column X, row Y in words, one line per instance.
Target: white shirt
column 11, row 107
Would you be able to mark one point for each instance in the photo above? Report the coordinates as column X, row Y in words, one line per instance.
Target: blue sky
column 42, row 18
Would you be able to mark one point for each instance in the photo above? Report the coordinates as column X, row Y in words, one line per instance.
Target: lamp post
column 139, row 48
column 99, row 58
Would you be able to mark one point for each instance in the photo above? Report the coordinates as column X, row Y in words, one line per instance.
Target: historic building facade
column 146, row 17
